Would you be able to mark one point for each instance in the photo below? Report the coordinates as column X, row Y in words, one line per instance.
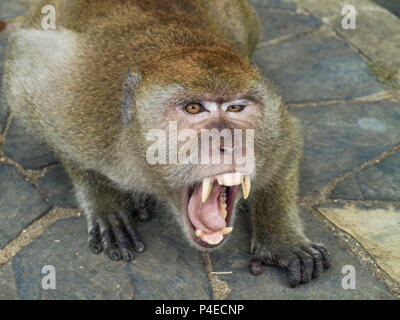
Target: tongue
column 206, row 216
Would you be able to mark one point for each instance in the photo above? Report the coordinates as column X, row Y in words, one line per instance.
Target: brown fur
column 202, row 45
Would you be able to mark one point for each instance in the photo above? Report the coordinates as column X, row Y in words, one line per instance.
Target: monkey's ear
column 131, row 85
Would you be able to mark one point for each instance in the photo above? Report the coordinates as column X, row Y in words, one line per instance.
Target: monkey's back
column 66, row 84
column 235, row 20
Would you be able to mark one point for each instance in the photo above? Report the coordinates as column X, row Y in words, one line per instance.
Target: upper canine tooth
column 206, row 189
column 246, row 185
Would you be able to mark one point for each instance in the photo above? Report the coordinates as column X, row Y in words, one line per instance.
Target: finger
column 110, row 245
column 122, row 239
column 131, row 231
column 306, row 266
column 136, row 240
column 326, row 258
column 95, row 244
column 294, row 272
column 317, row 257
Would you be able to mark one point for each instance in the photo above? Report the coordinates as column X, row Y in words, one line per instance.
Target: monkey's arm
column 278, row 237
column 108, row 213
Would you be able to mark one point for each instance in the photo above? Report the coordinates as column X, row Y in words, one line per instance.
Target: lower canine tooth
column 198, row 233
column 227, row 230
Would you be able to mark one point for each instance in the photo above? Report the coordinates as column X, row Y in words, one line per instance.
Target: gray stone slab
column 8, row 287
column 391, row 5
column 3, row 114
column 376, row 33
column 340, row 137
column 382, row 181
column 279, row 23
column 58, row 188
column 281, row 4
column 20, row 204
column 3, row 106
column 375, row 227
column 378, row 182
column 14, row 8
column 348, row 189
column 28, row 150
column 317, row 67
column 273, row 284
column 167, row 269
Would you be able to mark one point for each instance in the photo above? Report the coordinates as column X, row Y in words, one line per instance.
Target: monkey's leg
column 108, row 213
column 278, row 237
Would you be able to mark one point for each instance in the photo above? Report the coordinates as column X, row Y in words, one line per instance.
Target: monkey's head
column 200, row 125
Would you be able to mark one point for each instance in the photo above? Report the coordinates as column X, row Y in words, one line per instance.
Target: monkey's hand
column 116, row 233
column 109, row 214
column 278, row 235
column 303, row 261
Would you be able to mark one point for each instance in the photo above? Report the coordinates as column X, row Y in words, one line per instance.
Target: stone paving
column 350, row 179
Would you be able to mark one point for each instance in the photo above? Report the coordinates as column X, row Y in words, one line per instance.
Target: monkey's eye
column 194, row 108
column 235, row 108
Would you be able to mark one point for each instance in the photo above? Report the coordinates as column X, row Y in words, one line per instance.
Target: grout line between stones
column 368, row 59
column 30, row 175
column 359, row 186
column 220, row 289
column 34, row 230
column 380, row 96
column 364, row 55
column 360, row 202
column 3, row 134
column 359, row 251
column 288, row 37
column 7, row 126
column 267, row 6
column 321, row 196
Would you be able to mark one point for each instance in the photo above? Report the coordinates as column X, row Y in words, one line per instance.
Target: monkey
column 115, row 70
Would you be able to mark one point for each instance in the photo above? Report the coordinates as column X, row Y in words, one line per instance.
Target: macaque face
column 208, row 156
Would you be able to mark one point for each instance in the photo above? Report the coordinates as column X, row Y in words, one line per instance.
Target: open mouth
column 210, row 207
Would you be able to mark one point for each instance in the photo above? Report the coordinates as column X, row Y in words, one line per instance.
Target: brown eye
column 235, row 108
column 194, row 108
